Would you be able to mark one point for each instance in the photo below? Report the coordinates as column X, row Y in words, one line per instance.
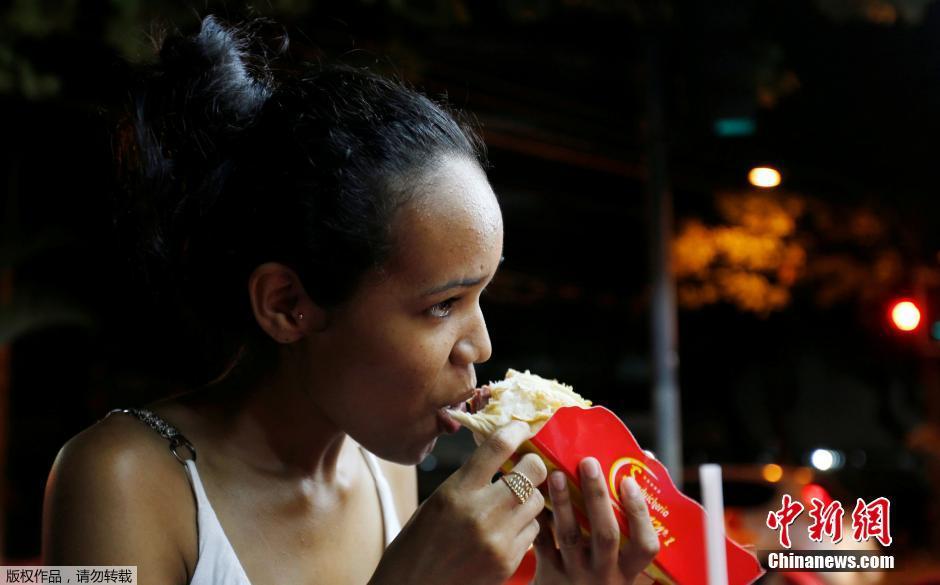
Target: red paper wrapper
column 574, row 433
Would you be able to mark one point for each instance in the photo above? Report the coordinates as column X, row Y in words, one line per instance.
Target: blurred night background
column 783, row 294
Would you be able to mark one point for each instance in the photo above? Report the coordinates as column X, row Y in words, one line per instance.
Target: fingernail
column 559, row 482
column 631, row 487
column 591, row 468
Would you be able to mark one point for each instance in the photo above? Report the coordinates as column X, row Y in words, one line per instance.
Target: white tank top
column 217, row 563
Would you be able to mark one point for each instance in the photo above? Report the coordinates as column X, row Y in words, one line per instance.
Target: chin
column 426, row 452
column 408, row 456
column 413, row 457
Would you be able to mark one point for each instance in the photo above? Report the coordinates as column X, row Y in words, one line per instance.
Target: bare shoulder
column 403, row 480
column 117, row 496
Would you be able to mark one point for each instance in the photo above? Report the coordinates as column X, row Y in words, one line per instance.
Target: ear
column 281, row 305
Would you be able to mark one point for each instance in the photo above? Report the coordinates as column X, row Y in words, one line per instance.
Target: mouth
column 475, row 400
column 446, row 424
column 463, row 404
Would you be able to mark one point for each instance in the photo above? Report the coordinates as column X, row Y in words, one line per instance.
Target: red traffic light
column 814, row 490
column 905, row 315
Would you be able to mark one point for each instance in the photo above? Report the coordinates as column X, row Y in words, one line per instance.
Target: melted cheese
column 520, row 396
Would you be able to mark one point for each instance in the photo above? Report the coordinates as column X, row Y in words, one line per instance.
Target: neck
column 271, row 424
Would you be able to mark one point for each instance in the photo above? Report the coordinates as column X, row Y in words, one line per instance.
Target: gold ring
column 519, row 485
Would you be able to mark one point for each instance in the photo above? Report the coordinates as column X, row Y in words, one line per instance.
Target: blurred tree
column 751, row 261
column 770, row 242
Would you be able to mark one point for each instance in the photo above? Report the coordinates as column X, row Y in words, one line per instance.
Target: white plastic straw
column 710, row 480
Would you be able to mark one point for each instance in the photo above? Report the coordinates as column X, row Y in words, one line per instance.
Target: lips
column 461, row 403
column 445, row 423
column 471, row 402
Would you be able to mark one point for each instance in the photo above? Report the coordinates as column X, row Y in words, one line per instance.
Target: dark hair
column 233, row 155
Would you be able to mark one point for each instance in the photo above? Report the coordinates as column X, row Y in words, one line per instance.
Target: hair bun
column 212, row 78
column 176, row 146
column 218, row 62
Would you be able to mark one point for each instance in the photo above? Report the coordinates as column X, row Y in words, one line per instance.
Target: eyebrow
column 458, row 283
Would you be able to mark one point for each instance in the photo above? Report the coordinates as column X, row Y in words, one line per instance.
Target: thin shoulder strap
column 166, row 430
column 390, row 518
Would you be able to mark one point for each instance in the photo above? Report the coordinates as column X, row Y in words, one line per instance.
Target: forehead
column 451, row 228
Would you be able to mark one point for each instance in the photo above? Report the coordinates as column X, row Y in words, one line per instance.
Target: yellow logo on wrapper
column 637, row 466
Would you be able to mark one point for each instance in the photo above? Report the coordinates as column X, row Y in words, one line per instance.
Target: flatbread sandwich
column 520, row 396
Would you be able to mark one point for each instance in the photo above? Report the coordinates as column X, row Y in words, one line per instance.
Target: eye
column 443, row 308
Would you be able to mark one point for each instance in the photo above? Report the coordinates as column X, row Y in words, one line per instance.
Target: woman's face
column 405, row 345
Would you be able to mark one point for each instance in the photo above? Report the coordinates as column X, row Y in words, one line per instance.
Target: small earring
column 300, row 316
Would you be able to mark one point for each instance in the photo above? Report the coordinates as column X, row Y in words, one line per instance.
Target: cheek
column 416, row 343
column 417, row 368
column 402, row 363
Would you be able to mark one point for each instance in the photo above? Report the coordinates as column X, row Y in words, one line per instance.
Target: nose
column 473, row 346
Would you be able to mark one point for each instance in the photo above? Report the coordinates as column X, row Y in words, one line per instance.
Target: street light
column 826, row 459
column 764, row 177
column 905, row 315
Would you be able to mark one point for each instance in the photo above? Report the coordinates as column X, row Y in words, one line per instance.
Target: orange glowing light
column 803, row 475
column 905, row 315
column 772, row 472
column 765, row 177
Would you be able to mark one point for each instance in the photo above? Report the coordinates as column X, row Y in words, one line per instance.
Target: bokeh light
column 772, row 472
column 905, row 315
column 764, row 177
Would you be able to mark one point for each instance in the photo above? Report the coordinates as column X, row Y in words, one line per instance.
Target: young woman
column 329, row 233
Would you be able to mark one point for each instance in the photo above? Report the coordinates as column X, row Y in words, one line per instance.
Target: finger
column 547, row 558
column 523, row 542
column 644, row 543
column 567, row 531
column 533, row 468
column 605, row 532
column 527, row 537
column 493, row 452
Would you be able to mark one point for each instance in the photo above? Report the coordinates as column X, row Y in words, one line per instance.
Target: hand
column 471, row 530
column 598, row 561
